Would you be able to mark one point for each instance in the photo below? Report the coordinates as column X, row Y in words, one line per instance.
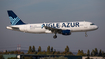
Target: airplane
column 64, row 28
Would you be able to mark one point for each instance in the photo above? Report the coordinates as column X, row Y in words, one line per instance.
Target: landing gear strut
column 86, row 34
column 55, row 36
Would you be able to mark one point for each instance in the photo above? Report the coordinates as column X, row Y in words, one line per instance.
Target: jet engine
column 66, row 32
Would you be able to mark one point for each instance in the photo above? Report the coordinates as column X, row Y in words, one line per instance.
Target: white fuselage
column 78, row 26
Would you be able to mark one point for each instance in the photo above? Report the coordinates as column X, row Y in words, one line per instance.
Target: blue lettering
column 63, row 25
column 43, row 25
column 53, row 25
column 77, row 24
column 72, row 24
column 48, row 25
column 57, row 25
column 68, row 24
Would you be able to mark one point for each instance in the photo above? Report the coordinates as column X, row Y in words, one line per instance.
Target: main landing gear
column 86, row 34
column 55, row 36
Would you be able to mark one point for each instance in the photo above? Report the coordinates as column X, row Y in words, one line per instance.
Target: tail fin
column 14, row 19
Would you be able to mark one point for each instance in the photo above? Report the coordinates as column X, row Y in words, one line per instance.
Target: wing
column 54, row 30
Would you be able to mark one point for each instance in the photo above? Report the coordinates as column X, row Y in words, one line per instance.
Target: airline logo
column 57, row 25
column 14, row 21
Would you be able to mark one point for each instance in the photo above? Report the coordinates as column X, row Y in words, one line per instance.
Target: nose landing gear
column 86, row 34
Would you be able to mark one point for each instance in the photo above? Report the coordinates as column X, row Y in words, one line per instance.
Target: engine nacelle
column 66, row 32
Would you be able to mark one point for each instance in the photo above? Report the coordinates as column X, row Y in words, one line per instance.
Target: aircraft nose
column 96, row 27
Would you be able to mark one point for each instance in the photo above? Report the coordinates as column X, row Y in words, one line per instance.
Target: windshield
column 92, row 24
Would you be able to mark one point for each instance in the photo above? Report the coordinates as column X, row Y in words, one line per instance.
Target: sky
column 40, row 11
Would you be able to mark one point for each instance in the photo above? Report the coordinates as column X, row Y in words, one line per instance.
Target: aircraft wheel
column 55, row 36
column 86, row 34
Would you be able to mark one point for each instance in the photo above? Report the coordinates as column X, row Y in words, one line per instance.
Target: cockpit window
column 92, row 24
